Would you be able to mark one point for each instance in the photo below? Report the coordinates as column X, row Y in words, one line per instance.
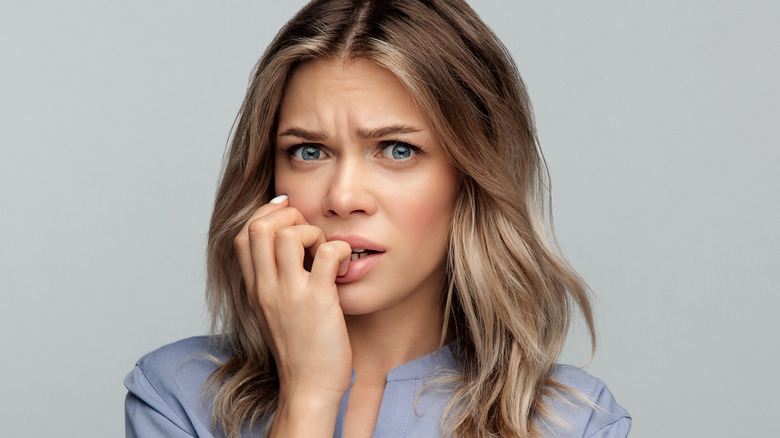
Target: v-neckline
column 401, row 387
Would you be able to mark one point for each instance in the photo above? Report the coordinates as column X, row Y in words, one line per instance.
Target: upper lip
column 356, row 241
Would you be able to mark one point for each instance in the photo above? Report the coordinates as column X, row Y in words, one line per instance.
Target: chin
column 359, row 300
column 352, row 303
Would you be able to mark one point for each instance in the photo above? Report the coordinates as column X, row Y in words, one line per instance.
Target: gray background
column 658, row 120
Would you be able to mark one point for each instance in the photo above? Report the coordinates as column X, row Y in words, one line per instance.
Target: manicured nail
column 279, row 199
column 343, row 268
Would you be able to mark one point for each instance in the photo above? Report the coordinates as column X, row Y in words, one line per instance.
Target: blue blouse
column 165, row 397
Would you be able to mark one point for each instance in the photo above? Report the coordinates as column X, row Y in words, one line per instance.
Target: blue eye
column 307, row 152
column 399, row 151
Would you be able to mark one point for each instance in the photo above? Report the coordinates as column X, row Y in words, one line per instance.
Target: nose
column 350, row 191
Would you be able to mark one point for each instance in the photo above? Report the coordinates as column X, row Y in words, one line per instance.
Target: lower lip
column 360, row 267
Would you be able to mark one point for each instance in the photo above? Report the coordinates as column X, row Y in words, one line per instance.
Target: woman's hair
column 509, row 296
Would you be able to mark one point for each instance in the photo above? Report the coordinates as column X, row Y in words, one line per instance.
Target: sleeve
column 617, row 429
column 148, row 414
column 600, row 417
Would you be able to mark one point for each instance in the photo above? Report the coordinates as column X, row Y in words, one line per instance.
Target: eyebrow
column 384, row 131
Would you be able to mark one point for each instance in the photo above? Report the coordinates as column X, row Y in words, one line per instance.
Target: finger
column 326, row 262
column 262, row 241
column 291, row 244
column 241, row 241
column 343, row 265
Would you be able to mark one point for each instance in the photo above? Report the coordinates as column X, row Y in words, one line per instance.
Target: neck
column 384, row 340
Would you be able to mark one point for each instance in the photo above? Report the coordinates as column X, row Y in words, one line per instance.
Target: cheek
column 304, row 193
column 425, row 214
column 426, row 211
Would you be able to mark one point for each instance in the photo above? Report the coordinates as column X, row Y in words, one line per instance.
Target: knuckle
column 254, row 302
column 262, row 301
column 259, row 227
column 328, row 251
column 264, row 298
column 241, row 240
column 285, row 234
column 292, row 215
column 299, row 216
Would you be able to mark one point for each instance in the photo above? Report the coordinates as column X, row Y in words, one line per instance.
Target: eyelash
column 292, row 150
column 416, row 150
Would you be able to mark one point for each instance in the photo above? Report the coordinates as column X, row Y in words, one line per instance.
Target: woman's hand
column 298, row 310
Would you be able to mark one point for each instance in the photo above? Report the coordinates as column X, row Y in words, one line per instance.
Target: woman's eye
column 398, row 150
column 307, row 153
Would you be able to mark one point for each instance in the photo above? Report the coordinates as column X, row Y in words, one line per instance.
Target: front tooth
column 358, row 249
column 354, row 257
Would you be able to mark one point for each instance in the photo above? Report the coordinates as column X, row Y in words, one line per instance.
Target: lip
column 356, row 241
column 360, row 267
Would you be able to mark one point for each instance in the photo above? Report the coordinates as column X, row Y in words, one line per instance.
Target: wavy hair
column 509, row 296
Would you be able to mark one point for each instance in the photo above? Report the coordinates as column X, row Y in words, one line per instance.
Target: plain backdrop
column 658, row 121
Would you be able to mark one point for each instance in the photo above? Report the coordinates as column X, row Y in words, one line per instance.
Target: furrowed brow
column 304, row 134
column 386, row 131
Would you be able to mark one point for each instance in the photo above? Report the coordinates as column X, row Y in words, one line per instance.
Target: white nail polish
column 279, row 199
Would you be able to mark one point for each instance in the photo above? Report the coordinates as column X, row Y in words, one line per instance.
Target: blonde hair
column 510, row 296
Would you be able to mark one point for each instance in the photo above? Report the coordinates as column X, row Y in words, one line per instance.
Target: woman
column 378, row 257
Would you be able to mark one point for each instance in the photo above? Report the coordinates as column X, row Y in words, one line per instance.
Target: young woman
column 378, row 257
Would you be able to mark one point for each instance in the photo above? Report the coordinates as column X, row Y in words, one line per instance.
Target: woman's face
column 360, row 160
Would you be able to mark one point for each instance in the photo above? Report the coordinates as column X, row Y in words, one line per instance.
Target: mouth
column 359, row 244
column 365, row 256
column 359, row 253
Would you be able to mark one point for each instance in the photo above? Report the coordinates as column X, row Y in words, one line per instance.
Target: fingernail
column 343, row 268
column 279, row 199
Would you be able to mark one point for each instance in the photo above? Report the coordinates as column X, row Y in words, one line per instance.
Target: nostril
column 332, row 212
column 343, row 200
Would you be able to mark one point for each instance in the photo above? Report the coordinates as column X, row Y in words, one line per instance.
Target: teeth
column 358, row 254
column 358, row 250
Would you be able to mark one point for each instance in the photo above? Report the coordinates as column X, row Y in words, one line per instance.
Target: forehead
column 358, row 90
column 352, row 74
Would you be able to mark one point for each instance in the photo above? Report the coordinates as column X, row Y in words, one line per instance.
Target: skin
column 357, row 159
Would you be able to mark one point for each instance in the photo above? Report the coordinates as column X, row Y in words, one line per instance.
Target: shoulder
column 165, row 389
column 588, row 408
column 190, row 356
